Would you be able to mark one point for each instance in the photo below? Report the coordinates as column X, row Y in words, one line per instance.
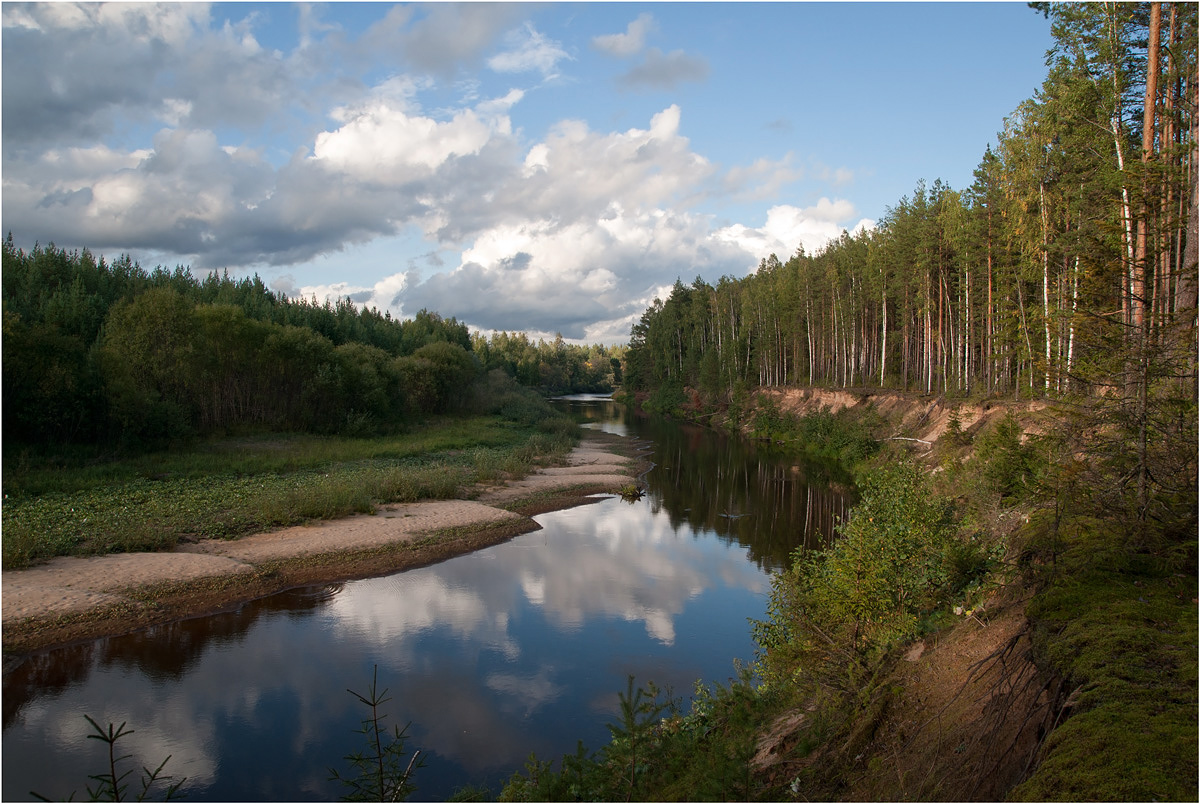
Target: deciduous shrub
column 866, row 590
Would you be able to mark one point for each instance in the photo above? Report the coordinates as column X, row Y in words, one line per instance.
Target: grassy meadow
column 230, row 487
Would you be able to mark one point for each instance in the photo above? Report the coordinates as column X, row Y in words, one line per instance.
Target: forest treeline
column 108, row 352
column 1073, row 250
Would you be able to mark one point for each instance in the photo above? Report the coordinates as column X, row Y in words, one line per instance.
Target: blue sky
column 537, row 167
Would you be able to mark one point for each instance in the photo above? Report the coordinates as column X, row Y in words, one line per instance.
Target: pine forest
column 1074, row 247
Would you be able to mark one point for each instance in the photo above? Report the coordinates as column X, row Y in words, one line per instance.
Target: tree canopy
column 98, row 351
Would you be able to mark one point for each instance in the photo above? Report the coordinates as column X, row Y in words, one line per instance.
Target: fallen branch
column 898, row 438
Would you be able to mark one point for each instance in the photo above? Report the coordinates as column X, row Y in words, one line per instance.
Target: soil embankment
column 922, row 418
column 70, row 599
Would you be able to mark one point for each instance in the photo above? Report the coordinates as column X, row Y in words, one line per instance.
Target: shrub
column 866, row 590
column 669, row 398
column 658, row 752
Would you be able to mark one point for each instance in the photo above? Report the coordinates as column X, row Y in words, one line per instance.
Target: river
column 517, row 649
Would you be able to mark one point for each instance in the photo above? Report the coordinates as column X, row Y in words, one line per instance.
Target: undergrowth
column 847, row 436
column 1114, row 626
column 658, row 752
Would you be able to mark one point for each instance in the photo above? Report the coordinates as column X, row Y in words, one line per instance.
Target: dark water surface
column 518, row 648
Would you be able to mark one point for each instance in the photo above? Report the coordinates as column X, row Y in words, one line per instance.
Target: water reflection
column 745, row 492
column 515, row 649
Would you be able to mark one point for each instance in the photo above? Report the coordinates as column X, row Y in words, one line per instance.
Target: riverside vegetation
column 1110, row 676
column 924, row 553
column 142, row 408
column 231, row 487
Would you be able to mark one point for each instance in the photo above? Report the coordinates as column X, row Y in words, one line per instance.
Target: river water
column 519, row 648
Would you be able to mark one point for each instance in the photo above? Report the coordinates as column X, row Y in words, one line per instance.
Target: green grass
column 233, row 487
column 26, row 475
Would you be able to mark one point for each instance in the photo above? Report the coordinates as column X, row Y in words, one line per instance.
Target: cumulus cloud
column 447, row 39
column 383, row 295
column 173, row 197
column 763, row 178
column 551, row 278
column 384, row 143
column 788, row 228
column 223, row 205
column 575, row 174
column 72, row 71
column 629, row 43
column 141, row 128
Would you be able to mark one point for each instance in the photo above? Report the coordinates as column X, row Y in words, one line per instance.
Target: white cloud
column 528, row 51
column 385, row 144
column 575, row 174
column 73, row 71
column 570, row 230
column 630, row 43
column 764, row 178
column 384, row 295
column 788, row 228
column 171, row 23
column 173, row 197
column 547, row 277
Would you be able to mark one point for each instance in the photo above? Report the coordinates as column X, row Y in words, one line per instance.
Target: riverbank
column 72, row 599
column 1064, row 671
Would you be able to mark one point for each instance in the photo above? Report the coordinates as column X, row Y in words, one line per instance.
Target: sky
column 548, row 167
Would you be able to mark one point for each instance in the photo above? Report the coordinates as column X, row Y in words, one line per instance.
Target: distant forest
column 1068, row 265
column 107, row 352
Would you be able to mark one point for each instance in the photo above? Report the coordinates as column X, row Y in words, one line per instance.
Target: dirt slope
column 925, row 418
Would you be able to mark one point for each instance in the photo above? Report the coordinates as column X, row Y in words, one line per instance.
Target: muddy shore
column 75, row 599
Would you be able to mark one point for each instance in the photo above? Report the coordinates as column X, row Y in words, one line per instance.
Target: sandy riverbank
column 70, row 599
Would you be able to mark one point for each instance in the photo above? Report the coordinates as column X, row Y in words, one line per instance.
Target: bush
column 669, row 398
column 866, row 590
column 846, row 436
column 658, row 752
column 452, row 368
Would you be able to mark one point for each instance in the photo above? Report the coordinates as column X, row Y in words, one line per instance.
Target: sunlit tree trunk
column 1141, row 268
column 1045, row 277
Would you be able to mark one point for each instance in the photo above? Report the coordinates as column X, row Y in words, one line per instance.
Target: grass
column 231, row 487
column 28, row 475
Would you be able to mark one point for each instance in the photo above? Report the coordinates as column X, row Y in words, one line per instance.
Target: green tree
column 867, row 589
column 146, row 353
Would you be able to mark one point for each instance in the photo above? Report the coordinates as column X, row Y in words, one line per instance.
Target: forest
column 1067, row 271
column 107, row 353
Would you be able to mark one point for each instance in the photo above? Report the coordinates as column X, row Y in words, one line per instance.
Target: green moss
column 1123, row 750
column 1120, row 628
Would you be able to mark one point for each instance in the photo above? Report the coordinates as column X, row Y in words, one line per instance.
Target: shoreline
column 70, row 600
